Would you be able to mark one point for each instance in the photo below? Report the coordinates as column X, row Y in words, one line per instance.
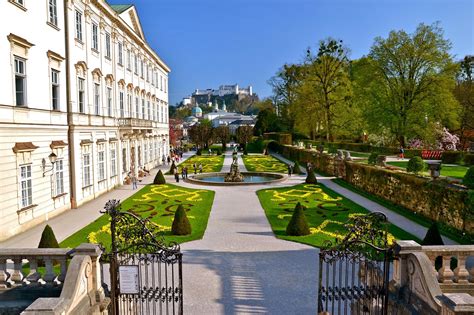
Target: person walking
column 186, row 172
column 169, row 160
column 134, row 181
column 176, row 177
column 402, row 153
column 163, row 160
column 183, row 173
column 194, row 166
column 289, row 169
column 200, row 168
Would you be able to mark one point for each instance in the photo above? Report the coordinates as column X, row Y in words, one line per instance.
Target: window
column 59, row 175
column 161, row 83
column 81, row 95
column 107, row 45
column 121, row 104
column 96, row 98
column 26, row 186
column 129, row 60
column 149, row 109
column 147, row 73
column 20, row 81
column 101, row 161
column 137, row 107
column 109, row 101
column 124, row 160
column 141, row 67
column 78, row 25
column 120, row 53
column 135, row 61
column 113, row 159
column 166, row 85
column 55, row 89
column 129, row 105
column 86, row 170
column 53, row 12
column 95, row 36
column 20, row 2
column 143, row 108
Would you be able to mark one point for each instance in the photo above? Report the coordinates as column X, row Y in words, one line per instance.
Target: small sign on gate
column 128, row 279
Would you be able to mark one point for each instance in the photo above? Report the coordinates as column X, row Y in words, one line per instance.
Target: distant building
column 209, row 95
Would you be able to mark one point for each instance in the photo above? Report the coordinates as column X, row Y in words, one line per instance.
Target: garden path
column 72, row 220
column 399, row 220
column 240, row 266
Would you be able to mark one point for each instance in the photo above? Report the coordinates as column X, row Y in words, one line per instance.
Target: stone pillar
column 400, row 267
column 457, row 303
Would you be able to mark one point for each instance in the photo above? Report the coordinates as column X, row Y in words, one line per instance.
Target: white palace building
column 83, row 102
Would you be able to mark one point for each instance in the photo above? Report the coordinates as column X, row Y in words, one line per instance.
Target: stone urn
column 381, row 160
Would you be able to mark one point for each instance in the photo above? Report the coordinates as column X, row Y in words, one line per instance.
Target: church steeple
column 224, row 107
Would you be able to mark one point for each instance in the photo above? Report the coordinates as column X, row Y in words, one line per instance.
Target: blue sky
column 212, row 42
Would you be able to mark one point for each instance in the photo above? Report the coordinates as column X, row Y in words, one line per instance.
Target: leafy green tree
column 412, row 76
column 201, row 133
column 464, row 93
column 328, row 69
column 298, row 225
column 222, row 134
column 267, row 121
column 244, row 135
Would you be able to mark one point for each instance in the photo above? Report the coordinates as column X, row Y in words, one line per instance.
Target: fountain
column 234, row 175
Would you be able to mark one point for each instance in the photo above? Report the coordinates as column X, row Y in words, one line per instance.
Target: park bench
column 431, row 154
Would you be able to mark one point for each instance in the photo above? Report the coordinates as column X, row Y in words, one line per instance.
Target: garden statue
column 234, row 174
column 381, row 160
column 347, row 156
column 339, row 166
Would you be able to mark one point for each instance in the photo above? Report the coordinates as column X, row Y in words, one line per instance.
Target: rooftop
column 119, row 8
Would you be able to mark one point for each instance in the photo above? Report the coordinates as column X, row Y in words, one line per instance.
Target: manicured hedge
column 452, row 157
column 469, row 159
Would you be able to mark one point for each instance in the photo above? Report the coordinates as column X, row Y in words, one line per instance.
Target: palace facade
column 84, row 102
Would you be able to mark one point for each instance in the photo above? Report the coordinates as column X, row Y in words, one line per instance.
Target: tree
column 284, row 85
column 412, row 76
column 267, row 121
column 243, row 104
column 181, row 225
column 244, row 135
column 48, row 239
column 415, row 165
column 159, row 178
column 310, row 177
column 222, row 134
column 464, row 93
column 201, row 133
column 328, row 70
column 298, row 225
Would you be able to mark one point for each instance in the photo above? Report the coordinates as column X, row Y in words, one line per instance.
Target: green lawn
column 158, row 203
column 264, row 163
column 455, row 171
column 326, row 212
column 210, row 163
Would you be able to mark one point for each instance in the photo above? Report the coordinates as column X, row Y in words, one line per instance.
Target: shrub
column 373, row 158
column 468, row 179
column 298, row 225
column 415, row 165
column 48, row 239
column 199, row 152
column 181, row 225
column 452, row 157
column 433, row 237
column 173, row 168
column 468, row 159
column 159, row 178
column 245, row 151
column 218, row 152
column 297, row 168
column 311, row 178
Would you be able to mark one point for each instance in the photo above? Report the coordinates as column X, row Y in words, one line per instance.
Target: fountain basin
column 250, row 178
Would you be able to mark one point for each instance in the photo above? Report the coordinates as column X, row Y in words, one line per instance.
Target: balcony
column 134, row 123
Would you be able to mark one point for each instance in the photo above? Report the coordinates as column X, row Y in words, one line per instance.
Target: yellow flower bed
column 264, row 163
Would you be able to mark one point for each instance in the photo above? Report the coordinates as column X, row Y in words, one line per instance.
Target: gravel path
column 239, row 267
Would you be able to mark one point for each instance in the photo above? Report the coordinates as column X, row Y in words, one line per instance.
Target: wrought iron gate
column 145, row 274
column 354, row 273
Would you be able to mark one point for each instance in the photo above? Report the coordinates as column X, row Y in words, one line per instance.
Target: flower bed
column 158, row 203
column 326, row 212
column 210, row 163
column 264, row 163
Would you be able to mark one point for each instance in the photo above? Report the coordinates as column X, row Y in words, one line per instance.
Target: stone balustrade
column 13, row 261
column 422, row 288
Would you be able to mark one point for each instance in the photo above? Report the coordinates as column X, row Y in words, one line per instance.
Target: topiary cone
column 48, row 239
column 181, row 225
column 159, row 178
column 297, row 168
column 433, row 237
column 172, row 168
column 298, row 225
column 311, row 178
